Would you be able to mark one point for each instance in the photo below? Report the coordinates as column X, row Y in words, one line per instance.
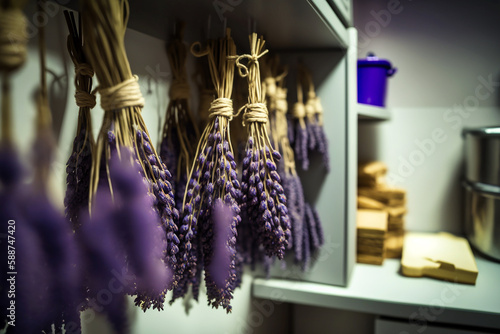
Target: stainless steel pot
column 482, row 217
column 482, row 155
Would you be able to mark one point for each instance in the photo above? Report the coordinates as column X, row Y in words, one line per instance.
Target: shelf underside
column 285, row 24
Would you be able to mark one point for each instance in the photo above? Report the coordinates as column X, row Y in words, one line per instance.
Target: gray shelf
column 372, row 113
column 383, row 290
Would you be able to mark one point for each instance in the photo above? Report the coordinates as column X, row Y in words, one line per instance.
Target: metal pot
column 482, row 155
column 482, row 217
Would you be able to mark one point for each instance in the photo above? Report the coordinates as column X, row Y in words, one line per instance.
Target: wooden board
column 439, row 255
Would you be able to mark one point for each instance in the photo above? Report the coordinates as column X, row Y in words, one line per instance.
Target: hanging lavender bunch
column 104, row 26
column 263, row 199
column 57, row 243
column 300, row 133
column 80, row 161
column 210, row 210
column 32, row 302
column 180, row 132
column 303, row 216
column 317, row 140
column 314, row 227
column 124, row 235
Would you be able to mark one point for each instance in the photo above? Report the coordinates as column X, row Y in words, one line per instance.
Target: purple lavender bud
column 210, row 139
column 282, row 209
column 156, row 171
column 197, row 200
column 270, row 165
column 278, row 187
column 208, row 151
column 275, row 176
column 111, row 137
column 270, row 203
column 201, row 159
column 262, row 174
column 153, row 161
column 147, row 148
column 252, row 191
column 253, row 179
column 276, row 155
column 246, row 162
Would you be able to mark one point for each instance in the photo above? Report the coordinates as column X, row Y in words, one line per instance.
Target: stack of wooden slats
column 375, row 194
column 371, row 234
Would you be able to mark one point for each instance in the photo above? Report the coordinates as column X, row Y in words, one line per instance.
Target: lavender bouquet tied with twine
column 180, row 132
column 124, row 237
column 263, row 198
column 39, row 244
column 308, row 134
column 211, row 210
column 104, row 26
column 317, row 140
column 79, row 163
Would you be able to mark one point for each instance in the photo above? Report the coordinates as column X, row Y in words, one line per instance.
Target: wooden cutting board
column 439, row 255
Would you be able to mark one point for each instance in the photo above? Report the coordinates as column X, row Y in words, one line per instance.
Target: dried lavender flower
column 122, row 101
column 212, row 185
column 79, row 164
column 180, row 132
column 265, row 201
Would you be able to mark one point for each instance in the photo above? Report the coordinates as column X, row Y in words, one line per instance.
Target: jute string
column 83, row 98
column 221, row 107
column 299, row 110
column 13, row 38
column 179, row 90
column 280, row 100
column 125, row 94
column 255, row 112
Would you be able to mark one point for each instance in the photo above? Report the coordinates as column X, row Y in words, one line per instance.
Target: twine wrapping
column 281, row 104
column 221, row 107
column 179, row 90
column 83, row 98
column 255, row 112
column 299, row 110
column 13, row 38
column 125, row 94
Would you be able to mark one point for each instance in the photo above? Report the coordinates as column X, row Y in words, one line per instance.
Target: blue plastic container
column 372, row 80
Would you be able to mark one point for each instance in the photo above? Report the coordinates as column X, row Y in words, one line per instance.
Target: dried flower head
column 210, row 209
column 263, row 199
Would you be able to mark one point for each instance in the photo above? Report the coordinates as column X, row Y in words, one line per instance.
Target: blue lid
column 372, row 60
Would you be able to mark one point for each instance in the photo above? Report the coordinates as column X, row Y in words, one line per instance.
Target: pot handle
column 391, row 72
